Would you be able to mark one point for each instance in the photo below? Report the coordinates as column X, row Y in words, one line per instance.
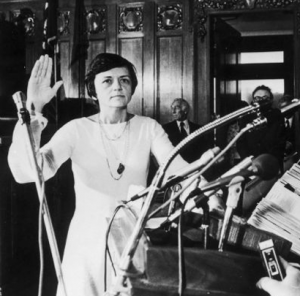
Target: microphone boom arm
column 19, row 99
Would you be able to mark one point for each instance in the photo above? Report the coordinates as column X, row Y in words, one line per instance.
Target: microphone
column 290, row 108
column 140, row 194
column 197, row 165
column 234, row 193
column 266, row 166
column 198, row 201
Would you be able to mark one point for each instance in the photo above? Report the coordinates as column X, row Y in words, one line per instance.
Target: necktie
column 182, row 130
column 287, row 124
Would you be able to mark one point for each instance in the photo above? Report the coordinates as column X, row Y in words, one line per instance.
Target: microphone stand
column 234, row 192
column 39, row 181
column 120, row 284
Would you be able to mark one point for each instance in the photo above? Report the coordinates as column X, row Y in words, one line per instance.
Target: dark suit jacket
column 267, row 140
column 193, row 150
column 290, row 138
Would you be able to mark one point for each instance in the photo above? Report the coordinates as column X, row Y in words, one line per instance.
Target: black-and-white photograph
column 149, row 148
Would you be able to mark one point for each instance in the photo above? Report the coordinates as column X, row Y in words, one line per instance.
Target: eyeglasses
column 259, row 99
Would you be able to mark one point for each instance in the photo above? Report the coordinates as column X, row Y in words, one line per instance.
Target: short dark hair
column 263, row 87
column 104, row 62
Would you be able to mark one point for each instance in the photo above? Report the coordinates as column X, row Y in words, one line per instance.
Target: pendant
column 120, row 169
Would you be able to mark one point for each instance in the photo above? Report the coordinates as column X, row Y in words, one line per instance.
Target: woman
column 109, row 151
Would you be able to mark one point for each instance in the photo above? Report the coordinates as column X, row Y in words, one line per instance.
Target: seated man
column 181, row 127
column 270, row 139
column 289, row 120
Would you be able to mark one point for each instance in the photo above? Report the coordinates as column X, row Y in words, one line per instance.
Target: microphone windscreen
column 266, row 166
column 291, row 108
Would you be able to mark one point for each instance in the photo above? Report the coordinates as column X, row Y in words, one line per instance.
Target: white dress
column 97, row 192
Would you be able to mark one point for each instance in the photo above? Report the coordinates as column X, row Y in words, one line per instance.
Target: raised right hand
column 39, row 91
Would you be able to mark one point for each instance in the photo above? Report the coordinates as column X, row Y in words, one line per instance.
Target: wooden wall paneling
column 169, row 74
column 65, row 49
column 66, row 27
column 111, row 37
column 34, row 44
column 188, row 62
column 148, row 81
column 130, row 27
column 96, row 46
column 132, row 50
column 175, row 57
column 203, row 90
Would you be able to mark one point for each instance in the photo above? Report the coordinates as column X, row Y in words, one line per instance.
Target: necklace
column 109, row 148
column 116, row 136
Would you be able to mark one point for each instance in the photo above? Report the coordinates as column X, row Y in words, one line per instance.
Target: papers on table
column 279, row 211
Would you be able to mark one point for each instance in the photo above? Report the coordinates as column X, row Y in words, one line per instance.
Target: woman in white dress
column 109, row 152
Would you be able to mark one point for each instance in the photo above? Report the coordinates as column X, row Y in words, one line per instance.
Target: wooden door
column 226, row 52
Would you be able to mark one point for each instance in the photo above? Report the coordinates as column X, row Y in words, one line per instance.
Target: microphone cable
column 181, row 261
column 40, row 235
column 106, row 249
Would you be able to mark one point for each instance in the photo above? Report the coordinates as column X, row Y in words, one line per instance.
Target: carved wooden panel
column 65, row 60
column 63, row 23
column 202, row 7
column 95, row 47
column 130, row 19
column 169, row 17
column 96, row 20
column 169, row 73
column 132, row 49
column 26, row 18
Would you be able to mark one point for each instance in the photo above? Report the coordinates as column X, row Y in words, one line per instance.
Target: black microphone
column 266, row 166
column 197, row 165
column 290, row 108
column 202, row 198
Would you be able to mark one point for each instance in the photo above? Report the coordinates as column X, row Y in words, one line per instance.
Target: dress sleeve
column 161, row 148
column 49, row 157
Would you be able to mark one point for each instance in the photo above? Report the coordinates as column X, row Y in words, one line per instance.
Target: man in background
column 271, row 138
column 181, row 127
column 289, row 121
column 292, row 128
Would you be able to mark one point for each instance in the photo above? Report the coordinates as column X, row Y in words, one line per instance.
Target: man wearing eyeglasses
column 270, row 139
